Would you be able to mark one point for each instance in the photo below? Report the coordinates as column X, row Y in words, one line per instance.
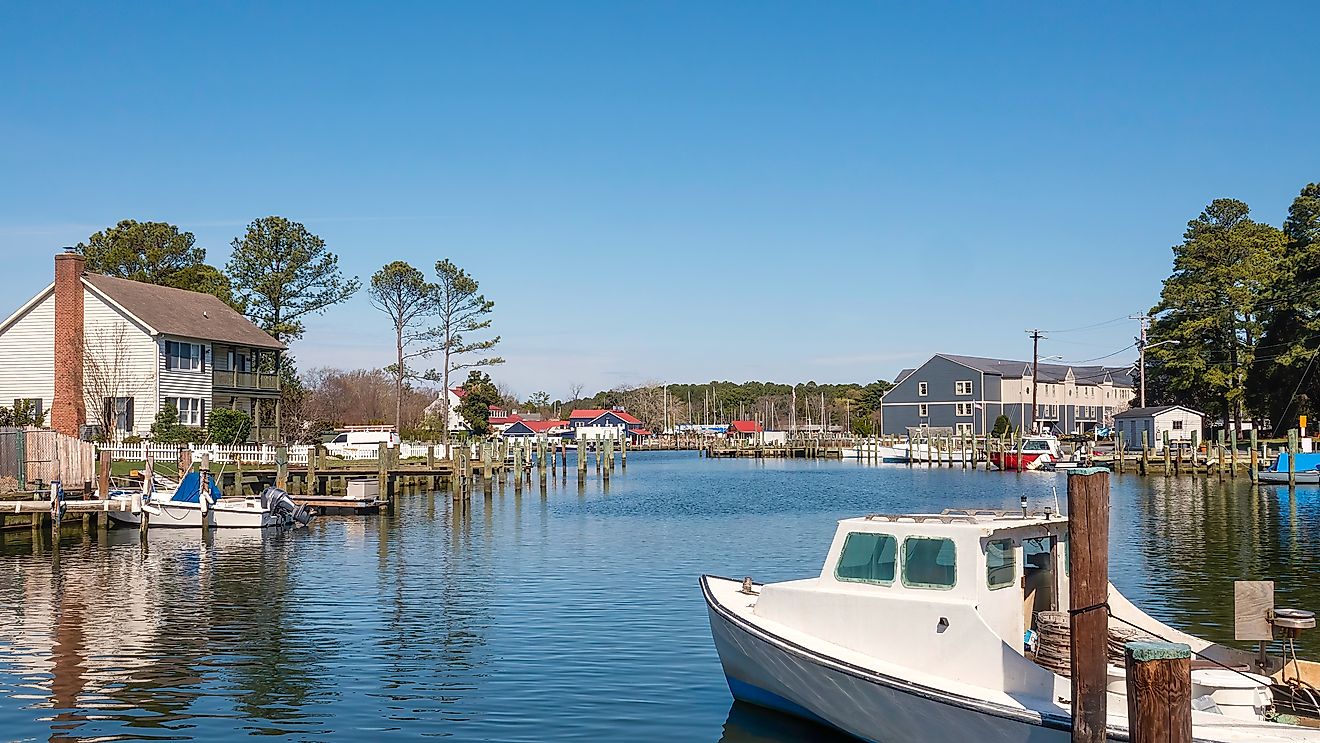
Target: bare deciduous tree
column 109, row 376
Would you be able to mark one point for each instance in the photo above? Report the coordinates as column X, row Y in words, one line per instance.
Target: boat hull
column 772, row 672
column 176, row 515
column 1012, row 461
column 1271, row 477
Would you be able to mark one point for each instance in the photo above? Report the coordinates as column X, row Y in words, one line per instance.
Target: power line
column 1088, row 327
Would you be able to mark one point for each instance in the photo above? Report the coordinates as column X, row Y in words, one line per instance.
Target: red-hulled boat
column 1032, row 453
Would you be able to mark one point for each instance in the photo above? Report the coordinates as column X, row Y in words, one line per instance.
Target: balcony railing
column 245, row 380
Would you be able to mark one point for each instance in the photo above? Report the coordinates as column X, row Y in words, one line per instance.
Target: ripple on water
column 570, row 616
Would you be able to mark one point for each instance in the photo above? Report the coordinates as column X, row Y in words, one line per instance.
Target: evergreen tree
column 1213, row 305
column 154, row 253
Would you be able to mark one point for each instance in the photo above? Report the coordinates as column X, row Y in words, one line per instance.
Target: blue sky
column 756, row 190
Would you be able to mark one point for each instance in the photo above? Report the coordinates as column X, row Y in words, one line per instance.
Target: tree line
column 1237, row 327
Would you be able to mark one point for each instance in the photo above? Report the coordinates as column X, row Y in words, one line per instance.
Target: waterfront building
column 744, row 430
column 103, row 355
column 434, row 410
column 967, row 394
column 1179, row 421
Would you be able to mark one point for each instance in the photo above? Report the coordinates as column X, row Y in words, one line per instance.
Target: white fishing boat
column 914, row 630
column 921, row 452
column 183, row 507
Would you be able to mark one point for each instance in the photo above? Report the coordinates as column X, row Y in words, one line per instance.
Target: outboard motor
column 278, row 503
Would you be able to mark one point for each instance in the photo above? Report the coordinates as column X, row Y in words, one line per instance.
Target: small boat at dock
column 943, row 627
column 1306, row 472
column 183, row 507
column 1032, row 453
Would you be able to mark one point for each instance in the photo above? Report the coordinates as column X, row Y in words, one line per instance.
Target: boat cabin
column 1007, row 565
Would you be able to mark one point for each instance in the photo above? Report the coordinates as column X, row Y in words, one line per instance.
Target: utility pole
column 1144, row 319
column 1035, row 336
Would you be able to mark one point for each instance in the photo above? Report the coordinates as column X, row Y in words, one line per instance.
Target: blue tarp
column 190, row 489
column 1305, row 461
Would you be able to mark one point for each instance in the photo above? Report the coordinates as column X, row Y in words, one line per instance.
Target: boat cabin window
column 1030, row 445
column 929, row 562
column 868, row 558
column 1000, row 563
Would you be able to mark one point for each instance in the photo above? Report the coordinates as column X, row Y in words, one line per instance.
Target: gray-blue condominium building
column 967, row 394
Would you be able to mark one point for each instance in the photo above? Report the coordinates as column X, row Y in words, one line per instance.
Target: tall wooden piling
column 382, row 470
column 1145, row 453
column 204, row 491
column 1118, row 451
column 104, row 466
column 282, row 467
column 1254, row 461
column 1168, row 453
column 1292, row 457
column 1088, row 513
column 1159, row 692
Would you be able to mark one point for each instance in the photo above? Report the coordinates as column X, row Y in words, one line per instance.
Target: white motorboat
column 914, row 630
column 921, row 452
column 183, row 508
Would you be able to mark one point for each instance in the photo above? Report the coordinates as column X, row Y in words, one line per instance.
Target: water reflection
column 569, row 613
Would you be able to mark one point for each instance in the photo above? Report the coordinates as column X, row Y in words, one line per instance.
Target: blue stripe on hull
column 746, row 692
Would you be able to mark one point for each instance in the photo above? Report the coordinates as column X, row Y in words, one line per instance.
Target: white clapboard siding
column 184, row 383
column 27, row 353
column 123, row 343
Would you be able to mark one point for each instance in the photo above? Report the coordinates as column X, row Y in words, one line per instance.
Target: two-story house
column 967, row 394
column 100, row 354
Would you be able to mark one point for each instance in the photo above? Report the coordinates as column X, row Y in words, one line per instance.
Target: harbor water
column 568, row 614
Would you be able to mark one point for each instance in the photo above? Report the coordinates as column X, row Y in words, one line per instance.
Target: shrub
column 228, row 427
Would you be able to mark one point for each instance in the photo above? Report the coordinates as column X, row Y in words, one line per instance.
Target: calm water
column 573, row 615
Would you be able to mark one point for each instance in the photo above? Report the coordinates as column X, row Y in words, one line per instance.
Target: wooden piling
column 1159, row 692
column 1168, row 465
column 1145, row 452
column 204, row 491
column 1254, row 461
column 382, row 470
column 1292, row 458
column 1195, row 434
column 1118, row 451
column 1088, row 513
column 1232, row 452
column 103, row 473
column 313, row 484
column 282, row 467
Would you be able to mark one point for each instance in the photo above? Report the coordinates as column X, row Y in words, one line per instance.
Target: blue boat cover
column 1306, row 461
column 190, row 489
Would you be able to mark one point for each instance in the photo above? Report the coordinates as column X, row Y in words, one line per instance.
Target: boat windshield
column 1035, row 445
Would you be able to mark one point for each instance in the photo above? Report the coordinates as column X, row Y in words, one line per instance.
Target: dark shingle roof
column 1151, row 410
column 171, row 311
column 1050, row 373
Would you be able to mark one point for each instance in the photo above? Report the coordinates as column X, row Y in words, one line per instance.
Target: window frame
column 867, row 581
column 928, row 586
column 964, row 409
column 923, row 410
column 1013, row 561
column 196, row 356
column 923, row 389
column 962, row 387
column 1177, row 425
column 186, row 417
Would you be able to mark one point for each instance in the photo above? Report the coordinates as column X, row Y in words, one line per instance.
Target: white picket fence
column 249, row 453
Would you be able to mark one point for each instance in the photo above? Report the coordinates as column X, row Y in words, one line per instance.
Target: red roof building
column 745, row 428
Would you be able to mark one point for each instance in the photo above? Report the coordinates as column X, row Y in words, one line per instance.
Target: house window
column 119, row 413
column 963, row 429
column 33, row 405
column 867, row 558
column 192, row 410
column 1177, row 425
column 183, row 356
column 963, row 408
column 929, row 563
column 923, row 410
column 1000, row 563
column 962, row 387
column 922, row 388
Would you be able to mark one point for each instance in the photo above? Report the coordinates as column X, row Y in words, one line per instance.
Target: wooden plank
column 1088, row 513
column 1252, row 602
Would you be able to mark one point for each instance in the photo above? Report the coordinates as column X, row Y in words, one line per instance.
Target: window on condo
column 922, row 388
column 963, row 408
column 962, row 387
column 923, row 410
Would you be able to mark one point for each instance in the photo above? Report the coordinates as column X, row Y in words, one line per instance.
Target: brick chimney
column 68, row 411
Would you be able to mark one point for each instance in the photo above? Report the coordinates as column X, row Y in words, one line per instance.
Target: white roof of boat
column 971, row 518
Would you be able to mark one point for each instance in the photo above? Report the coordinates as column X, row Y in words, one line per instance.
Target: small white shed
column 1179, row 421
